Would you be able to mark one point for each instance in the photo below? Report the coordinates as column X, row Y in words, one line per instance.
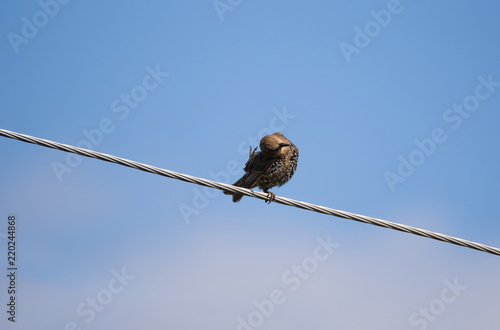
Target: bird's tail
column 237, row 196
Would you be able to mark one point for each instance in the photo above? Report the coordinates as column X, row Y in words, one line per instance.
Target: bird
column 272, row 166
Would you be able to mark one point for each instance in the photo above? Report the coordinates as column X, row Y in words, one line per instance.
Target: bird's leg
column 270, row 196
column 252, row 152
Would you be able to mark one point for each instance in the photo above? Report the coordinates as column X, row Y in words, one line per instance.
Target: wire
column 249, row 192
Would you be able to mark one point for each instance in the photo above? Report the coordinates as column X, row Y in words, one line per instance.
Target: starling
column 272, row 166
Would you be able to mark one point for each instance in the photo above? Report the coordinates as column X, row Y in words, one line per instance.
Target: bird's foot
column 252, row 152
column 270, row 197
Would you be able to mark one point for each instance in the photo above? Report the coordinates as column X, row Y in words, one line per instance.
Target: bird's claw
column 252, row 151
column 270, row 197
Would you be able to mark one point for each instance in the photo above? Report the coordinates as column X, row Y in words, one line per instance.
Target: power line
column 249, row 192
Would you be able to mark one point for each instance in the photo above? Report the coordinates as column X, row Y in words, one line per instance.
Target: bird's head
column 275, row 145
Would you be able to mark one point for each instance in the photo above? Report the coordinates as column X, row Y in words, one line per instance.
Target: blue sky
column 393, row 106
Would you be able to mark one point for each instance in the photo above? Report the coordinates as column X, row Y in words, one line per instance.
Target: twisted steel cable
column 249, row 192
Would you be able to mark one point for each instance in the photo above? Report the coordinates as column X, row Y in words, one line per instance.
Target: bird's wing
column 255, row 168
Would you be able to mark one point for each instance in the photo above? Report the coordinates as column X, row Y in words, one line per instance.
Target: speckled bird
column 272, row 166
